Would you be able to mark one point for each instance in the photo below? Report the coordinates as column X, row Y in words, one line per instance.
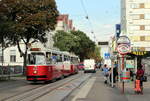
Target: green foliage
column 29, row 19
column 65, row 41
column 95, row 54
column 76, row 42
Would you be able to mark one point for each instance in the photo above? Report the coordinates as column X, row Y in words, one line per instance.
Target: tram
column 50, row 65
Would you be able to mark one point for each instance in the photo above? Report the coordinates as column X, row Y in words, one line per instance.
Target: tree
column 95, row 54
column 74, row 41
column 27, row 20
column 85, row 46
column 64, row 41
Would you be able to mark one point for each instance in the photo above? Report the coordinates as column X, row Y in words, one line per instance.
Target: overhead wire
column 87, row 17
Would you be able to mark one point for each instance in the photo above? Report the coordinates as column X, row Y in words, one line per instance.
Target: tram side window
column 72, row 60
column 66, row 58
column 48, row 58
column 54, row 59
column 59, row 58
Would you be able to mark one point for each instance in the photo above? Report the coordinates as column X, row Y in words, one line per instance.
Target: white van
column 89, row 65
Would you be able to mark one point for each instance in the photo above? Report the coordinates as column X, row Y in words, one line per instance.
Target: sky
column 102, row 14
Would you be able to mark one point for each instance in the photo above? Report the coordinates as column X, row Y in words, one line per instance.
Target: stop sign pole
column 123, row 48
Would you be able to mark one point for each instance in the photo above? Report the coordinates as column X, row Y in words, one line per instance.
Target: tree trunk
column 22, row 54
column 25, row 60
column 24, row 64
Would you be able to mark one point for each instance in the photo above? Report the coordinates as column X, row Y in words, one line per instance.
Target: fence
column 8, row 71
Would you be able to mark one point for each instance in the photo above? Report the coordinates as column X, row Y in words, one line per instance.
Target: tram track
column 18, row 93
column 37, row 92
column 10, row 85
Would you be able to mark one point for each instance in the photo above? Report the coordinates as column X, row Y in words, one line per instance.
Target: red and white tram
column 50, row 65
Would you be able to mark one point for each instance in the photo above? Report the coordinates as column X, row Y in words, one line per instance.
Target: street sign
column 107, row 55
column 123, row 49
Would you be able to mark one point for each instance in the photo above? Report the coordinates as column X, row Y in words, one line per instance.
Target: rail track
column 37, row 92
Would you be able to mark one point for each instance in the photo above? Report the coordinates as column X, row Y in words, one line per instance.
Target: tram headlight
column 35, row 72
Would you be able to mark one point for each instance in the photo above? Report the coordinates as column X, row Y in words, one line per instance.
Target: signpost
column 123, row 48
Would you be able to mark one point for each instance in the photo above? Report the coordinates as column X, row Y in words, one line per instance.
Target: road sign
column 107, row 55
column 123, row 49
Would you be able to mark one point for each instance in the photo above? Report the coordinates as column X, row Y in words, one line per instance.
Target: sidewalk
column 129, row 92
column 95, row 90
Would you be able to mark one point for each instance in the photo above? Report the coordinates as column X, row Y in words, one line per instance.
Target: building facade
column 135, row 23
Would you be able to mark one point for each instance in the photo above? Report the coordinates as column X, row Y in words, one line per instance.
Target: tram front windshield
column 37, row 59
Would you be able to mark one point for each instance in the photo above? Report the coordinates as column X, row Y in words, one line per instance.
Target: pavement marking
column 85, row 89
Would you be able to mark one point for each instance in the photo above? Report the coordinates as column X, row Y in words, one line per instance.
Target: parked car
column 81, row 66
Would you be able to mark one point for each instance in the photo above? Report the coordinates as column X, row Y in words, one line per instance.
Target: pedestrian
column 131, row 75
column 105, row 73
column 115, row 73
column 137, row 88
column 140, row 74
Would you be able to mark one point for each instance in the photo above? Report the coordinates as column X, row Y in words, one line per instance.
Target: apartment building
column 135, row 23
column 64, row 23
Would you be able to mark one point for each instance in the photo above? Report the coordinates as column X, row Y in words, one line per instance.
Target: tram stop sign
column 123, row 49
column 123, row 45
column 123, row 40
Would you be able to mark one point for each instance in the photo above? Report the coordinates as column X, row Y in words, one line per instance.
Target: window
column 37, row 59
column 134, row 5
column 137, row 5
column 147, row 27
column 133, row 28
column 142, row 16
column 147, row 16
column 59, row 58
column 142, row 27
column 1, row 57
column 12, row 58
column 135, row 16
column 142, row 5
column 142, row 38
column 147, row 5
column 12, row 55
column 147, row 38
column 135, row 38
